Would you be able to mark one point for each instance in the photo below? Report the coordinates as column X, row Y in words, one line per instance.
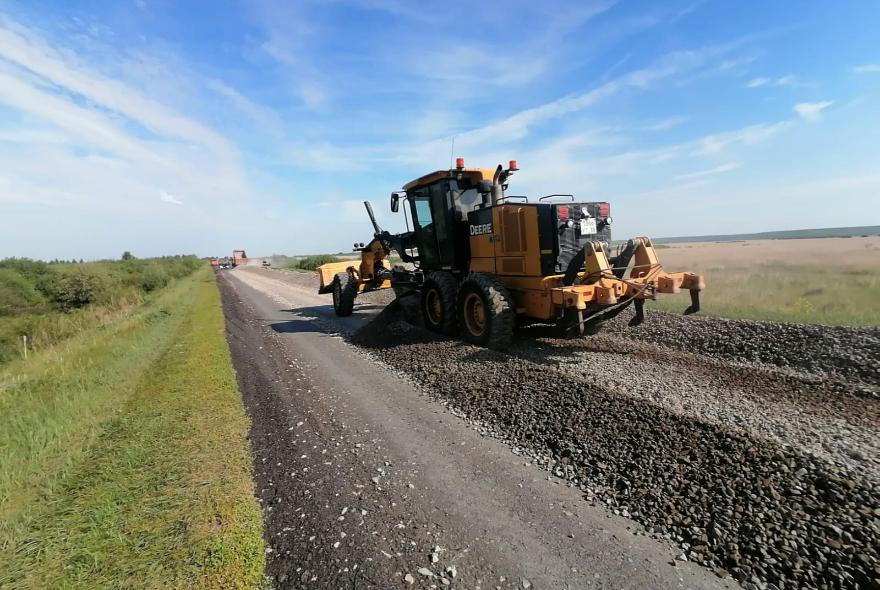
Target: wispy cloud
column 664, row 124
column 788, row 80
column 88, row 127
column 87, row 140
column 264, row 116
column 27, row 50
column 292, row 38
column 692, row 7
column 474, row 64
column 753, row 134
column 812, row 111
column 519, row 125
column 866, row 69
column 169, row 198
column 730, row 166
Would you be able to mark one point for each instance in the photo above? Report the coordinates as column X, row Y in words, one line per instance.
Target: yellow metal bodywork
column 475, row 174
column 512, row 253
column 361, row 271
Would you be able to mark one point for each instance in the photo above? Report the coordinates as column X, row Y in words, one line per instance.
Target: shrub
column 17, row 293
column 29, row 269
column 313, row 262
column 154, row 278
column 72, row 290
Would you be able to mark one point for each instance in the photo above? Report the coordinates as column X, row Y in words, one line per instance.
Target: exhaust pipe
column 497, row 188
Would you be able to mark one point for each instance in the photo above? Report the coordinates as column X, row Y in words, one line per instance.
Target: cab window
column 423, row 210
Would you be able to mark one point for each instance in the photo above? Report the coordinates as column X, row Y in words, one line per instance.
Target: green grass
column 799, row 293
column 123, row 456
column 310, row 263
column 52, row 302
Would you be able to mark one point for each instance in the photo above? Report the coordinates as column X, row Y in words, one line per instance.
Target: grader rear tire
column 486, row 314
column 345, row 289
column 439, row 294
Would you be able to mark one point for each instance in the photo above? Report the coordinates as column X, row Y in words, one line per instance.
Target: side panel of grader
column 506, row 241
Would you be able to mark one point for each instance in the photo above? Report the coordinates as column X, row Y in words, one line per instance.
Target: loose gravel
column 773, row 512
column 810, row 414
column 848, row 352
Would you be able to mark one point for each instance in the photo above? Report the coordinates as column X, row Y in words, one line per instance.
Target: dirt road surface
column 388, row 457
column 365, row 480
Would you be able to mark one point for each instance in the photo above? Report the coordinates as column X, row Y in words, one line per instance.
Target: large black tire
column 439, row 298
column 486, row 314
column 345, row 289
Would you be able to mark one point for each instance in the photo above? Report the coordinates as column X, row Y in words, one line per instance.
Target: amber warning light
column 459, row 163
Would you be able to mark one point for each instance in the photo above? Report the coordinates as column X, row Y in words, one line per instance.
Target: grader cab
column 482, row 261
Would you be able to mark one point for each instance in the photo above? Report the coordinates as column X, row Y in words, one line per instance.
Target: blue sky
column 160, row 126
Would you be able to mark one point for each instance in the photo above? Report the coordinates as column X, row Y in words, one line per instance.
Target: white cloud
column 753, row 134
column 312, row 94
column 326, row 157
column 520, row 124
column 470, row 65
column 87, row 126
column 83, row 141
column 787, row 80
column 169, row 198
column 728, row 167
column 812, row 111
column 866, row 69
column 292, row 38
column 258, row 113
column 665, row 124
column 692, row 7
column 27, row 50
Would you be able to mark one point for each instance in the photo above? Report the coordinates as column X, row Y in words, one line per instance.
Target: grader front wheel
column 345, row 289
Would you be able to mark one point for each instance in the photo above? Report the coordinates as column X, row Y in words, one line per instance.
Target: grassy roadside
column 123, row 456
column 782, row 292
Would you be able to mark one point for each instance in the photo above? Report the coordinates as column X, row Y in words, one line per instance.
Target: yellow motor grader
column 482, row 261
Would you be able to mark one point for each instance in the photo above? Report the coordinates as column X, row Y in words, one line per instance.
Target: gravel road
column 751, row 446
column 368, row 483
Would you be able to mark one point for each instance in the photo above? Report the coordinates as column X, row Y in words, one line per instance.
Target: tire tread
column 501, row 313
column 349, row 291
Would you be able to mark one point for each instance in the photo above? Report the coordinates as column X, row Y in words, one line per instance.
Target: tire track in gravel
column 758, row 510
column 809, row 413
column 818, row 394
column 851, row 353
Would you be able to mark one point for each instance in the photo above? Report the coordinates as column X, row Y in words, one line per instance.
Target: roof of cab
column 478, row 174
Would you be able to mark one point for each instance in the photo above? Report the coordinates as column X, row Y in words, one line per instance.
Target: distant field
column 798, row 234
column 123, row 455
column 834, row 281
